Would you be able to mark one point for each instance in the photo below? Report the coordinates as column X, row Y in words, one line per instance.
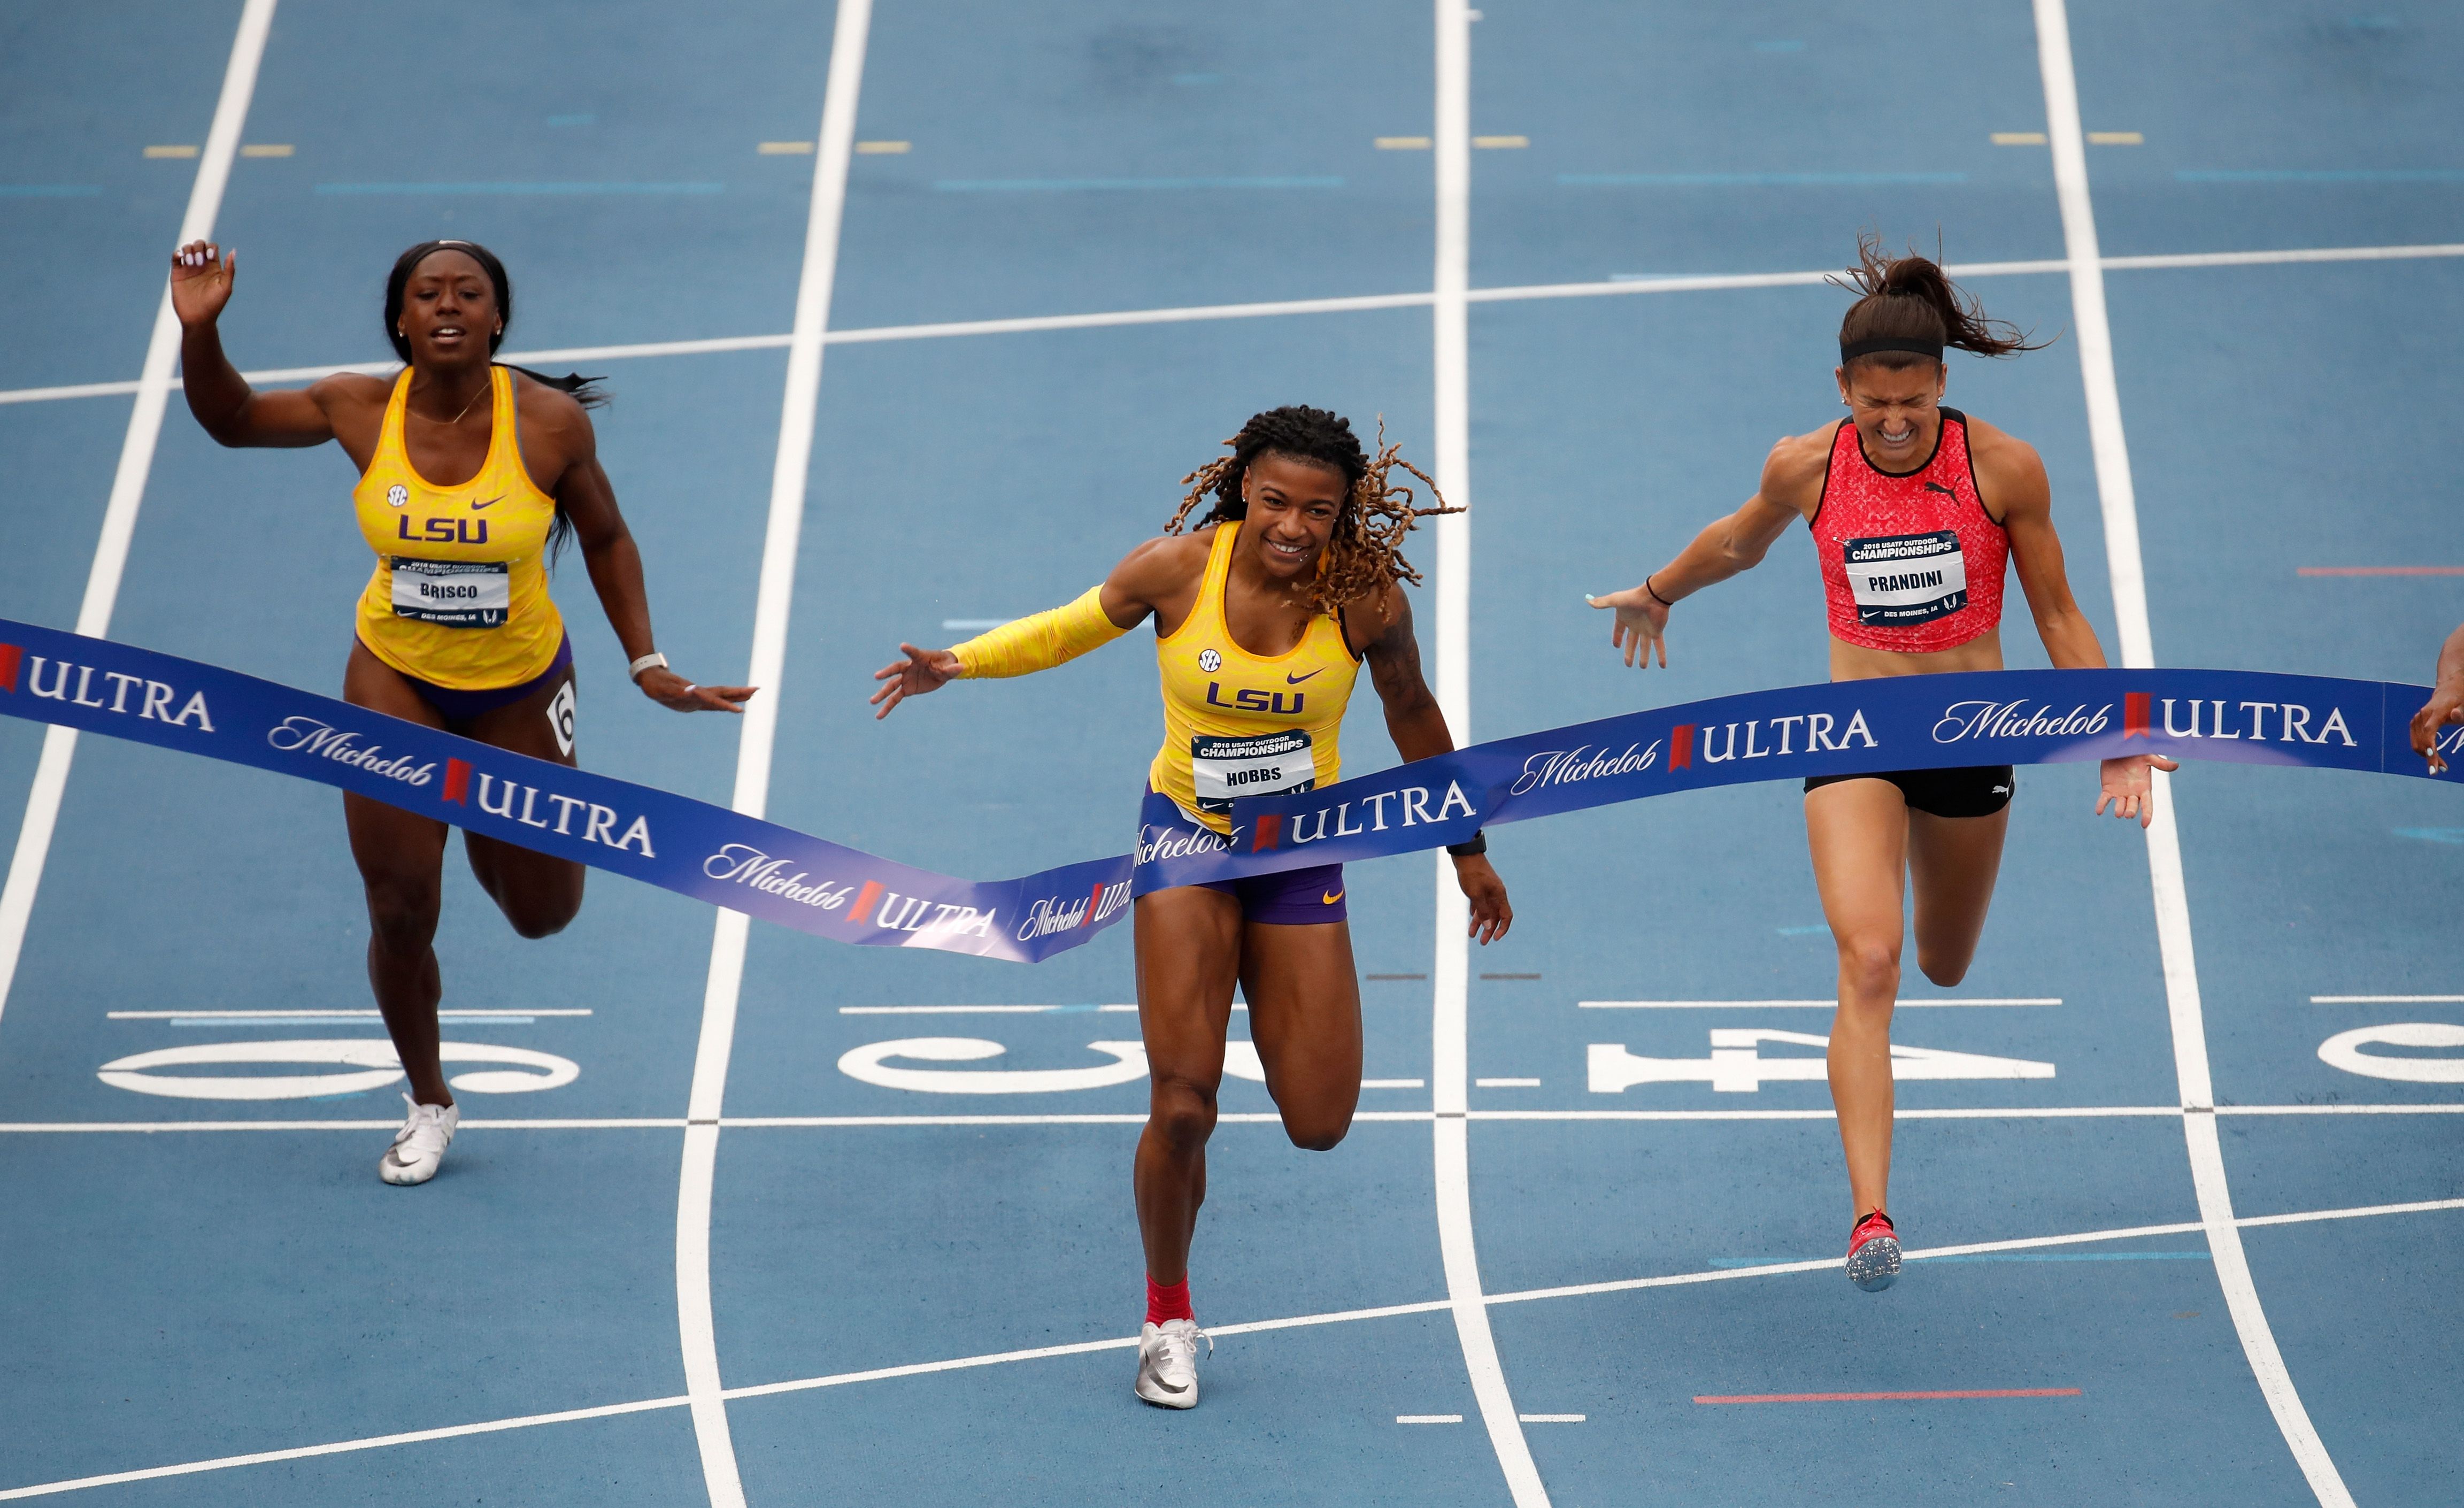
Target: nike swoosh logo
column 1294, row 680
column 1167, row 1387
column 490, row 503
column 1332, row 899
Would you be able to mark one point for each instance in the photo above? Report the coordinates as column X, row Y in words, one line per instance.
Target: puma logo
column 1294, row 680
column 490, row 503
column 1935, row 487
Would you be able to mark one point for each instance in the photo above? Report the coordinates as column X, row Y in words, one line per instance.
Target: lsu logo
column 1251, row 699
column 397, row 494
column 443, row 531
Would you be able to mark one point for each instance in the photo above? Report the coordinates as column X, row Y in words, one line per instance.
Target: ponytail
column 1910, row 311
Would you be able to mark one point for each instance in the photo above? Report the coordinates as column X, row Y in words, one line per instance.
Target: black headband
column 1912, row 344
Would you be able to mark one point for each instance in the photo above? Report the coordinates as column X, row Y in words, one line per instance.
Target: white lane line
column 2121, row 512
column 1790, row 1005
column 1449, row 1068
column 473, row 1014
column 153, row 390
column 968, row 1010
column 1429, row 1418
column 1263, row 1117
column 2386, row 1000
column 789, row 475
column 1709, row 282
column 303, row 1453
column 1126, row 1343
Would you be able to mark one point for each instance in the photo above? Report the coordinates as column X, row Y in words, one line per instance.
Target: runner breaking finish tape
column 457, row 630
column 1915, row 509
column 1263, row 616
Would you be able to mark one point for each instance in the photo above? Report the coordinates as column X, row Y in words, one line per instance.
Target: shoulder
column 1378, row 614
column 1794, row 471
column 548, row 410
column 1165, row 562
column 350, row 390
column 2002, row 461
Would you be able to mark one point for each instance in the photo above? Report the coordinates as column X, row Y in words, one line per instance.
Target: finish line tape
column 796, row 880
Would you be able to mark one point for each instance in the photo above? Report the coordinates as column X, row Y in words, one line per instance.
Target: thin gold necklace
column 486, row 387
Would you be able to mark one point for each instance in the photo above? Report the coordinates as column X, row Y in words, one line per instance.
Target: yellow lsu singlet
column 1241, row 724
column 459, row 598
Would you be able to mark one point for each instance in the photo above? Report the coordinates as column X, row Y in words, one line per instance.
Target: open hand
column 673, row 692
column 1642, row 621
column 201, row 281
column 1491, row 913
column 920, row 671
column 2129, row 786
column 2446, row 705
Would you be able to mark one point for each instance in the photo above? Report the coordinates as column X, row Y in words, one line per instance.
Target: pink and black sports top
column 1911, row 561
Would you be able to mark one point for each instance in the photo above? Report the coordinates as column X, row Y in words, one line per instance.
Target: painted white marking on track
column 1429, row 1418
column 1128, row 1343
column 1795, row 1005
column 1632, row 283
column 2120, row 514
column 790, row 472
column 1449, row 1068
column 153, row 390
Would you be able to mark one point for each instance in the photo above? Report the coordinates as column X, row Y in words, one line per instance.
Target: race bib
column 1906, row 578
column 456, row 594
column 1268, row 764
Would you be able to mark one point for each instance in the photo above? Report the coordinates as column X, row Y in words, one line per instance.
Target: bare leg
column 1952, row 862
column 1858, row 833
column 1305, row 1016
column 401, row 858
column 538, row 895
column 1189, row 956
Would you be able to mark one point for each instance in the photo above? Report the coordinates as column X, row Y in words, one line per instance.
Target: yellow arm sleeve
column 1032, row 644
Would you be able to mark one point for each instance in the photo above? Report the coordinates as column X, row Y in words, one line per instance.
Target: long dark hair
column 586, row 391
column 1366, row 551
column 1911, row 298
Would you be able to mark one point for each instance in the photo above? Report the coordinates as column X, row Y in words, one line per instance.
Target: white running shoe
column 420, row 1144
column 1168, row 1363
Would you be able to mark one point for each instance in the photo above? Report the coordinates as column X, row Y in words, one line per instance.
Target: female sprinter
column 487, row 658
column 1291, row 580
column 1903, row 477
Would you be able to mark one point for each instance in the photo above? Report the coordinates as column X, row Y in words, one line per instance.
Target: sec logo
column 397, row 494
column 1209, row 661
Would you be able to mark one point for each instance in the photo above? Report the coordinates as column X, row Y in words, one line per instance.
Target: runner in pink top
column 1916, row 510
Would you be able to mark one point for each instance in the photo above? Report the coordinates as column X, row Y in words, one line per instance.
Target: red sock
column 1168, row 1302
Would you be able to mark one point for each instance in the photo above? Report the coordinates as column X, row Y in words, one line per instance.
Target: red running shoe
column 1873, row 1252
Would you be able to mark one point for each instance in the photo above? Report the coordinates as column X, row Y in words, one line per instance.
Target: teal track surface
column 920, row 1297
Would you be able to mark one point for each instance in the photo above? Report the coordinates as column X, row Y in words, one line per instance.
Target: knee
column 402, row 913
column 1870, row 966
column 1941, row 967
column 1316, row 1133
column 1182, row 1114
column 540, row 921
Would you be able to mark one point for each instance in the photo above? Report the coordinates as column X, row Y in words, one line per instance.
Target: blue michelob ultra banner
column 796, row 880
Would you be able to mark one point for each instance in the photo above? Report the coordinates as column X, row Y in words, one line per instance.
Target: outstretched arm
column 1023, row 646
column 230, row 411
column 1417, row 725
column 2009, row 474
column 1792, row 486
column 615, row 561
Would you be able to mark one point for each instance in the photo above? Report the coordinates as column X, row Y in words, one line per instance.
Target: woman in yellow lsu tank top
column 455, row 629
column 1262, row 616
